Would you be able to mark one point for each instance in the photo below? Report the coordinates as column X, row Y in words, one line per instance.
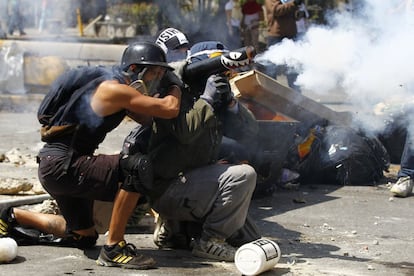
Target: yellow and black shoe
column 7, row 222
column 124, row 255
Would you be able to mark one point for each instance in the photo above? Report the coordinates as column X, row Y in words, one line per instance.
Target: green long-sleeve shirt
column 193, row 139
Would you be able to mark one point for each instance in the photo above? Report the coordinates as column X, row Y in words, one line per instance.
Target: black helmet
column 144, row 53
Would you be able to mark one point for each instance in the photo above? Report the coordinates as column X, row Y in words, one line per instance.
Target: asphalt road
column 321, row 229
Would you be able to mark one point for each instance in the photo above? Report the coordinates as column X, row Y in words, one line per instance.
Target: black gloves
column 298, row 2
column 217, row 92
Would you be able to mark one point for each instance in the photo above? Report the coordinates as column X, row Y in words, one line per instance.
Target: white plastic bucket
column 257, row 256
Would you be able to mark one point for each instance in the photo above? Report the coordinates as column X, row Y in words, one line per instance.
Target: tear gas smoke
column 365, row 53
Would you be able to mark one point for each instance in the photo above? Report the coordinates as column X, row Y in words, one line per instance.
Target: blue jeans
column 407, row 158
column 15, row 22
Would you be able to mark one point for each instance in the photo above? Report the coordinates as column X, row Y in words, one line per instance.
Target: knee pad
column 137, row 173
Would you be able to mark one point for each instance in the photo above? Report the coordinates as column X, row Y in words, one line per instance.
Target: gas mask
column 148, row 88
column 140, row 86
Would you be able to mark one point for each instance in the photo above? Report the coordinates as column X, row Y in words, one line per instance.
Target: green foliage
column 139, row 13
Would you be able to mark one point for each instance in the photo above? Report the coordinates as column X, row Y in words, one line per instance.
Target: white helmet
column 171, row 39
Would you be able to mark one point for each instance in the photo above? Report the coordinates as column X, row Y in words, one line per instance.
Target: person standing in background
column 252, row 14
column 405, row 183
column 302, row 20
column 233, row 18
column 3, row 19
column 15, row 17
column 281, row 23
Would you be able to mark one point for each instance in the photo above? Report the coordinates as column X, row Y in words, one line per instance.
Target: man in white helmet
column 174, row 43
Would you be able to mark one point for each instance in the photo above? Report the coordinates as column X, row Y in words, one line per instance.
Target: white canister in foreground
column 257, row 256
column 8, row 250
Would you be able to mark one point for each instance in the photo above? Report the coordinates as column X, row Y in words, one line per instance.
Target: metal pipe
column 80, row 24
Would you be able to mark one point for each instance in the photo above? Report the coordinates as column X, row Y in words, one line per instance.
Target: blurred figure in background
column 281, row 23
column 3, row 19
column 302, row 20
column 252, row 14
column 233, row 18
column 15, row 17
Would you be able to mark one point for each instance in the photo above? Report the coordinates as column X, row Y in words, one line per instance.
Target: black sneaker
column 7, row 222
column 82, row 242
column 214, row 249
column 171, row 234
column 124, row 255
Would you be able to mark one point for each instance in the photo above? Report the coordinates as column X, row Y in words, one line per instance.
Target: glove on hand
column 217, row 92
column 298, row 2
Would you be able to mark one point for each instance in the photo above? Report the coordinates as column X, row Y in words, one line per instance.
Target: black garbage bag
column 30, row 236
column 344, row 156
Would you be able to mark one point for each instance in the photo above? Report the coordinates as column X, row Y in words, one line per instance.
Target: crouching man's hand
column 217, row 92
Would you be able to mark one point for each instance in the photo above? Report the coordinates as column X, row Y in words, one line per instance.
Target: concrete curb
column 19, row 200
column 73, row 54
column 70, row 50
column 28, row 102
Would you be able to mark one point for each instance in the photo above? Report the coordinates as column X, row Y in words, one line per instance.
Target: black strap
column 71, row 150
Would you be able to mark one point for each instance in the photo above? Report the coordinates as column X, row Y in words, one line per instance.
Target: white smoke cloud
column 367, row 54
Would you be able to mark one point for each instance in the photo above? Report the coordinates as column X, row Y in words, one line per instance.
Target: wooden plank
column 258, row 87
column 92, row 23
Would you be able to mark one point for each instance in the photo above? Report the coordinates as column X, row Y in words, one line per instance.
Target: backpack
column 64, row 92
column 344, row 156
